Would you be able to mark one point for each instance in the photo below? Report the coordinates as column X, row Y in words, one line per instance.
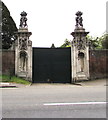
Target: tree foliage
column 8, row 28
column 66, row 43
column 99, row 42
column 105, row 41
column 95, row 42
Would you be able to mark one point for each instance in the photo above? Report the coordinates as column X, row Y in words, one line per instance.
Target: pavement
column 12, row 85
column 97, row 82
column 53, row 100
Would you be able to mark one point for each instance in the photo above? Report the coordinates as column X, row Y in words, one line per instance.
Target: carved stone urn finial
column 23, row 20
column 79, row 19
column 23, row 13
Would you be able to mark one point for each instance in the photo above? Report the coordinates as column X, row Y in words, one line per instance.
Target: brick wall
column 8, row 62
column 98, row 65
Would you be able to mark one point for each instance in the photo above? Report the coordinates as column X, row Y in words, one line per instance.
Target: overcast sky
column 52, row 21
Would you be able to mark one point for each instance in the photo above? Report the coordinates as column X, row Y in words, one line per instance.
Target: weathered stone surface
column 79, row 52
column 23, row 50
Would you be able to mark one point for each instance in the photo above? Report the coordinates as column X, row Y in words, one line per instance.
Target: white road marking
column 79, row 103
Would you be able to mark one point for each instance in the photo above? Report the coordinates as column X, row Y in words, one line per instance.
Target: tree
column 8, row 28
column 105, row 41
column 99, row 42
column 95, row 42
column 66, row 43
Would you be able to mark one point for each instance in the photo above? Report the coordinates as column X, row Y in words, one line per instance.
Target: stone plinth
column 23, row 54
column 80, row 55
column 23, row 50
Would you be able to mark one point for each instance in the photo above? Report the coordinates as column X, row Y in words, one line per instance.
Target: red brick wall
column 98, row 65
column 8, row 62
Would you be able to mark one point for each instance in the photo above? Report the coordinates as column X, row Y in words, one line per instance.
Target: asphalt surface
column 55, row 101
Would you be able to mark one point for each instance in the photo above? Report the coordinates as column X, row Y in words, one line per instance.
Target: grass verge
column 13, row 79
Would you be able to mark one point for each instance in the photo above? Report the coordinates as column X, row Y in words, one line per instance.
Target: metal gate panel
column 51, row 65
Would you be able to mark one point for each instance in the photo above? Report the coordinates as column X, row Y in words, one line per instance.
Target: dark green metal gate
column 51, row 65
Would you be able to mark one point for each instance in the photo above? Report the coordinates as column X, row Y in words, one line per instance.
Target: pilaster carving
column 23, row 50
column 80, row 51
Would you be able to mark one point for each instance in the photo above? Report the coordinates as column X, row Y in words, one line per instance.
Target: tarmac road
column 55, row 101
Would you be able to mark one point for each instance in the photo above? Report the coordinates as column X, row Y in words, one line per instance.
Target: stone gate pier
column 23, row 50
column 79, row 51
